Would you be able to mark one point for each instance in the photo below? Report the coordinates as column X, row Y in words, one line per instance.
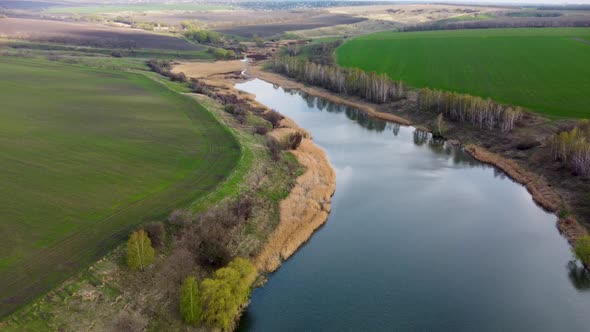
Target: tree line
column 505, row 22
column 484, row 113
column 573, row 147
column 376, row 88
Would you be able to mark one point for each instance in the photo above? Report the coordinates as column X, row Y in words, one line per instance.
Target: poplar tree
column 140, row 253
column 190, row 302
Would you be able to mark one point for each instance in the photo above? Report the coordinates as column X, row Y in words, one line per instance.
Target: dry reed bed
column 571, row 229
column 304, row 210
column 307, row 206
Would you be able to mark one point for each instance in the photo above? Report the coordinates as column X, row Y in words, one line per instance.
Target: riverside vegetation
column 489, row 63
column 380, row 89
column 105, row 150
column 508, row 131
column 205, row 241
column 573, row 147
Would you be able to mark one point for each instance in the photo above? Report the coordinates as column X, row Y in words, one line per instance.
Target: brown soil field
column 207, row 69
column 389, row 17
column 23, row 4
column 267, row 30
column 229, row 18
column 413, row 13
column 88, row 34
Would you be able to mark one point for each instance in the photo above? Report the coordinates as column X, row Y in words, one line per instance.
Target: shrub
column 179, row 218
column 129, row 322
column 214, row 251
column 230, row 108
column 219, row 53
column 273, row 117
column 274, row 148
column 236, row 111
column 117, row 54
column 261, row 130
column 242, row 207
column 225, row 293
column 161, row 67
column 294, row 140
column 190, row 301
column 177, row 77
column 140, row 253
column 156, row 232
column 582, row 250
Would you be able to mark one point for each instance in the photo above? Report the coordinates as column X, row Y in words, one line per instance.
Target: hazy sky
column 560, row 2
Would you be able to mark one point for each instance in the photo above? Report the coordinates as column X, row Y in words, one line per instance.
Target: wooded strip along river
column 421, row 238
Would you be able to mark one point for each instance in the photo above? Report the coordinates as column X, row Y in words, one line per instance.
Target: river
column 421, row 237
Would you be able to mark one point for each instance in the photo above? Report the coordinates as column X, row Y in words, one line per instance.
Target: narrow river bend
column 421, row 238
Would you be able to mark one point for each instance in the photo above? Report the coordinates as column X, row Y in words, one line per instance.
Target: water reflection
column 579, row 276
column 426, row 237
column 421, row 137
column 353, row 114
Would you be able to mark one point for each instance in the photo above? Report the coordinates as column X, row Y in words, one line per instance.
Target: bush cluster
column 163, row 67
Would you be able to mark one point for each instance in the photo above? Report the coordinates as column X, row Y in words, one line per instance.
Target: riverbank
column 523, row 154
column 262, row 190
column 307, row 206
column 287, row 83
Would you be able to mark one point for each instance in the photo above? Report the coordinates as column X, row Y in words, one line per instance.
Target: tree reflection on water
column 578, row 275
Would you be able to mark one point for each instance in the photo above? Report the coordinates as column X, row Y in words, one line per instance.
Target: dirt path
column 584, row 41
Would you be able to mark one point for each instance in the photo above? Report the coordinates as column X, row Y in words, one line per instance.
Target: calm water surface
column 421, row 238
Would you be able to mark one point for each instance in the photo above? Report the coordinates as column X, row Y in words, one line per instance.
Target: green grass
column 88, row 154
column 135, row 8
column 63, row 49
column 545, row 70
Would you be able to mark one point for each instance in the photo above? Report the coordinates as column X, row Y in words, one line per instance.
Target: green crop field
column 135, row 8
column 545, row 70
column 88, row 154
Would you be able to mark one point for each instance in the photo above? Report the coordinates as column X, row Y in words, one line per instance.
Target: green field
column 135, row 8
column 546, row 70
column 87, row 154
